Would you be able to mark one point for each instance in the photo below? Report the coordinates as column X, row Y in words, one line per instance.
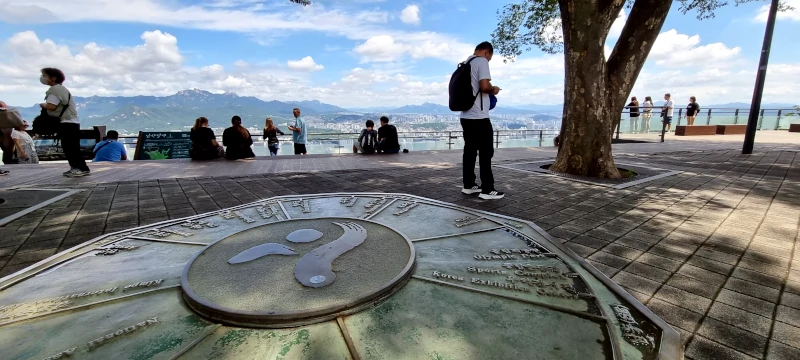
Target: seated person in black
column 368, row 140
column 387, row 137
column 204, row 142
column 237, row 141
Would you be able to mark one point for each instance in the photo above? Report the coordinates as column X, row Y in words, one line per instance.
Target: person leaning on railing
column 647, row 114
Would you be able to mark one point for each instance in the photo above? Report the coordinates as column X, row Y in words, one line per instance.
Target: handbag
column 10, row 118
column 46, row 124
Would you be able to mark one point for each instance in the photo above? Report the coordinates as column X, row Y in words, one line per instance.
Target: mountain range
column 157, row 113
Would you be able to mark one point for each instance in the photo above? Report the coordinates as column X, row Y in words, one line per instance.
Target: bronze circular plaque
column 297, row 271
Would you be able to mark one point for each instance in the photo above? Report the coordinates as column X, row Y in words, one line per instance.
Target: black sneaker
column 472, row 190
column 491, row 195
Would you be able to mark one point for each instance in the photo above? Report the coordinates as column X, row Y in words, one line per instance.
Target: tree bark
column 595, row 90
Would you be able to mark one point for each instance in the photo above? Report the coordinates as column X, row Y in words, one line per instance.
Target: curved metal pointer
column 315, row 269
column 259, row 251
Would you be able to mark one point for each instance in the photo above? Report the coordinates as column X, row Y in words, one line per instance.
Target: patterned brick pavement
column 712, row 250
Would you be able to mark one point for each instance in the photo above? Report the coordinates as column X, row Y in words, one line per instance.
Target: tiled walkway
column 711, row 250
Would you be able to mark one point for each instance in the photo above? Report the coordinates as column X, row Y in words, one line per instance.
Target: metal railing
column 769, row 119
column 424, row 140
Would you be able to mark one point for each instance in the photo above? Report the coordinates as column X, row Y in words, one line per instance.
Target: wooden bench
column 695, row 130
column 731, row 129
column 794, row 127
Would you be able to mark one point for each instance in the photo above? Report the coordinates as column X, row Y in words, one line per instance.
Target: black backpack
column 368, row 142
column 461, row 96
column 46, row 124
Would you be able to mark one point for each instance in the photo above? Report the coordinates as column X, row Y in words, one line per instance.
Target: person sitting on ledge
column 237, row 141
column 368, row 140
column 387, row 137
column 204, row 142
column 110, row 149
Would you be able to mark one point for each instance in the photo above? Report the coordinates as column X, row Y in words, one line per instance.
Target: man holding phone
column 298, row 133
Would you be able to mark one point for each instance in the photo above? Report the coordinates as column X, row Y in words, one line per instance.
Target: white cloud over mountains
column 680, row 63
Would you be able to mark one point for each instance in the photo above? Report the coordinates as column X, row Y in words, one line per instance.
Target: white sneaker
column 472, row 190
column 79, row 173
column 70, row 172
column 492, row 195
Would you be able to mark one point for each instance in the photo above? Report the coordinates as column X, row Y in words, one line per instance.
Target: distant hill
column 131, row 114
column 425, row 108
column 430, row 108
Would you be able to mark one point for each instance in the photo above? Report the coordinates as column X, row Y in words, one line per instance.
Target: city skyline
column 366, row 53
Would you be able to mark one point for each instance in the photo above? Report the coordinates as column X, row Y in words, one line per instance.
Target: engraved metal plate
column 333, row 276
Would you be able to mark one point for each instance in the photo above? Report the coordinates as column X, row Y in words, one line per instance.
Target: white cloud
column 410, row 15
column 385, row 48
column 793, row 15
column 618, row 25
column 305, row 64
column 157, row 67
column 264, row 22
column 380, row 48
column 673, row 49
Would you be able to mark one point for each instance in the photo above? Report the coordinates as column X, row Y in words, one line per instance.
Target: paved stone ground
column 712, row 250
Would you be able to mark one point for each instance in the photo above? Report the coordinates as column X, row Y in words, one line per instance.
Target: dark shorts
column 300, row 149
column 668, row 120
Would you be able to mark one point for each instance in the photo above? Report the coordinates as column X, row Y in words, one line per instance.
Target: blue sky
column 353, row 53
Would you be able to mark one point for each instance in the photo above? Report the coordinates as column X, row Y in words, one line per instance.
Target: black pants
column 300, row 149
column 70, row 136
column 478, row 141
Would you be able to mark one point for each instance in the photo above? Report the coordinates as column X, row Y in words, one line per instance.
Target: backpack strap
column 479, row 84
column 65, row 106
column 101, row 146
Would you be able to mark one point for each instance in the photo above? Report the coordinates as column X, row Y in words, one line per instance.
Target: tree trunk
column 589, row 116
column 595, row 91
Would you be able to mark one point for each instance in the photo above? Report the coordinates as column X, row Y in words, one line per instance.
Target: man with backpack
column 470, row 90
column 368, row 140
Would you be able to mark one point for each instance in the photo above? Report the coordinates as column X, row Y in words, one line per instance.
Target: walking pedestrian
column 59, row 103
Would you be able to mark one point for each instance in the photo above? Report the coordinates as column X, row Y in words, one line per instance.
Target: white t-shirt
column 648, row 106
column 52, row 99
column 670, row 107
column 21, row 135
column 480, row 71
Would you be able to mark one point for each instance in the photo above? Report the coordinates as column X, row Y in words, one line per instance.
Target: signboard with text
column 162, row 145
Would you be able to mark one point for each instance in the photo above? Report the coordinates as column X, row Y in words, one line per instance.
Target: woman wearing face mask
column 57, row 98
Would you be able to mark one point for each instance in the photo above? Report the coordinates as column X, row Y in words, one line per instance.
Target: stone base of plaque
column 281, row 274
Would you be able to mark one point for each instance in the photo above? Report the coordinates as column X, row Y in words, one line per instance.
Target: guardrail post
column 761, row 119
column 497, row 139
column 708, row 120
column 449, row 140
column 680, row 115
column 618, row 125
column 540, row 138
column 736, row 117
column 778, row 122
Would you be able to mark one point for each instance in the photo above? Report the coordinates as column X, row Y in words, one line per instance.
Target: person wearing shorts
column 666, row 111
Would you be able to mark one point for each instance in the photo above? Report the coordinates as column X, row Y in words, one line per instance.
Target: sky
column 357, row 53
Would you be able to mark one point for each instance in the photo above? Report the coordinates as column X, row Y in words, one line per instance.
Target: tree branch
column 640, row 32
